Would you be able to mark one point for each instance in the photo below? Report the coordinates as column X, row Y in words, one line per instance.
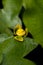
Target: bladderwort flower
column 20, row 33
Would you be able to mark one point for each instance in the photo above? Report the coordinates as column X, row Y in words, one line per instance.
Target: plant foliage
column 12, row 51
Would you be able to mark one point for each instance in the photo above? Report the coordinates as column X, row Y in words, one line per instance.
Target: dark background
column 37, row 54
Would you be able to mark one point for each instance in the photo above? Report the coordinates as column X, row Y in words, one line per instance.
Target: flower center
column 20, row 32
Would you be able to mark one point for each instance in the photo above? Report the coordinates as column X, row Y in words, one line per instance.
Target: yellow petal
column 20, row 32
column 18, row 26
column 18, row 38
column 26, row 30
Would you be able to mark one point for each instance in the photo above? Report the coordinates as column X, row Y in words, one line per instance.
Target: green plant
column 13, row 49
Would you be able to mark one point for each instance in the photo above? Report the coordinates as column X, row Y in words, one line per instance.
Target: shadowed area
column 23, row 26
column 1, row 6
column 36, row 55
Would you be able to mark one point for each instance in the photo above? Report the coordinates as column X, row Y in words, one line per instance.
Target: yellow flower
column 20, row 32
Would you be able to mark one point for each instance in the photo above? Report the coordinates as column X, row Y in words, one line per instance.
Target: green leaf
column 32, row 3
column 14, row 51
column 3, row 37
column 12, row 23
column 29, row 3
column 12, row 7
column 7, row 22
column 1, row 57
column 3, row 25
column 27, row 45
column 40, row 3
column 4, row 46
column 17, row 61
column 4, row 29
column 33, row 19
